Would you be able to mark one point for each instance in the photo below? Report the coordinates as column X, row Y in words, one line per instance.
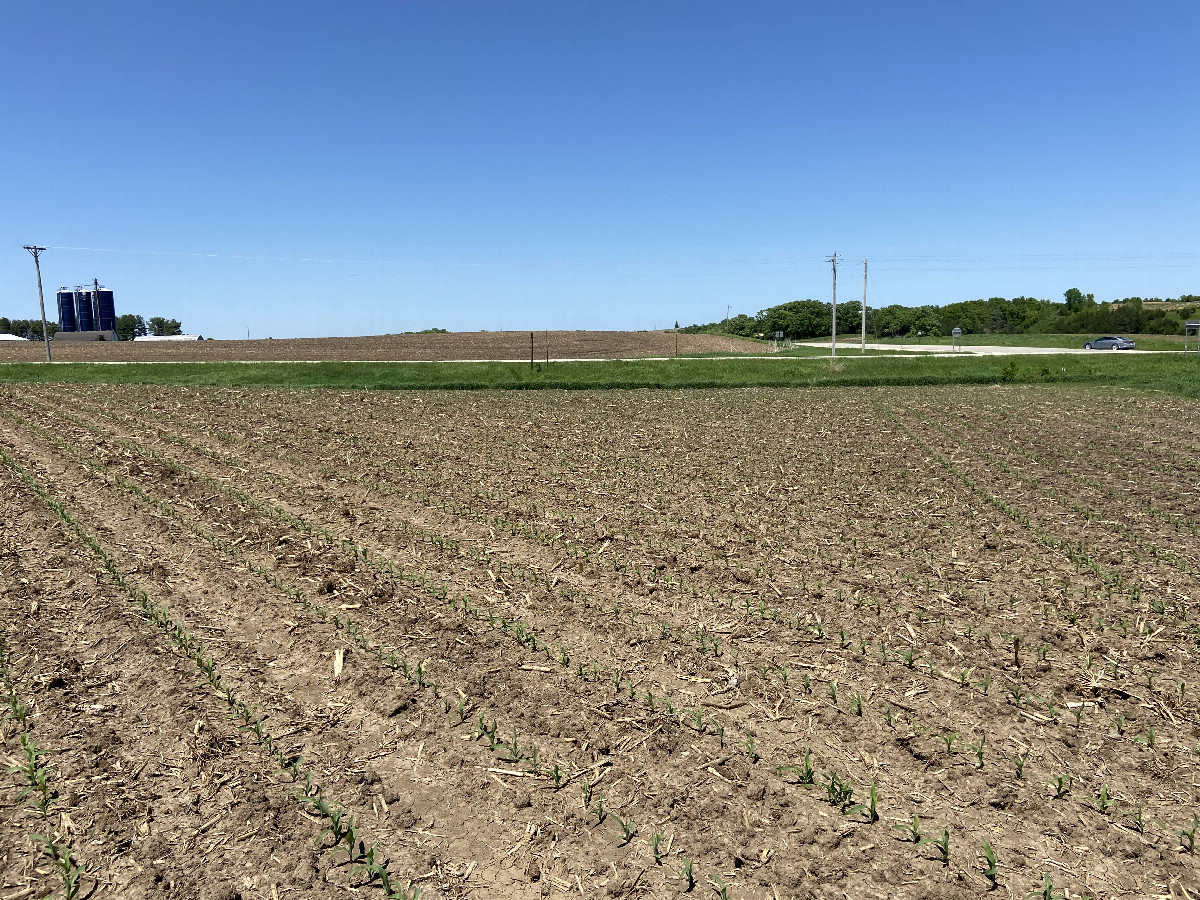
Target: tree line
column 127, row 327
column 1078, row 313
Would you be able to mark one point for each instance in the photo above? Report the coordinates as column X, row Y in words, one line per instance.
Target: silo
column 83, row 310
column 66, row 310
column 107, row 310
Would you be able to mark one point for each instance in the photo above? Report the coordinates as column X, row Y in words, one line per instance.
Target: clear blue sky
column 303, row 169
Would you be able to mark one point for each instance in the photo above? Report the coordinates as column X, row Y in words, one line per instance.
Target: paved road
column 977, row 350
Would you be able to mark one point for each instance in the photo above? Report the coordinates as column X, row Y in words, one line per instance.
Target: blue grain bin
column 83, row 311
column 66, row 310
column 106, row 310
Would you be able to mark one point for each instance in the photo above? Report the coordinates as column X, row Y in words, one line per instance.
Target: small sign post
column 957, row 343
column 1188, row 328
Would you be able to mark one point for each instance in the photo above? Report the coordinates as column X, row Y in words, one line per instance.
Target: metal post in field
column 531, row 351
column 36, row 251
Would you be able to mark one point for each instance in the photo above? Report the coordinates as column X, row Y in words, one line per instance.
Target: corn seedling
column 990, row 872
column 601, row 813
column 838, row 792
column 1187, row 836
column 587, row 788
column 656, row 847
column 1147, row 738
column 856, row 705
column 1103, row 804
column 686, row 874
column 912, row 830
column 867, row 809
column 751, row 748
column 887, row 716
column 950, row 739
column 61, row 859
column 720, row 887
column 35, row 773
column 977, row 749
column 1047, row 892
column 941, row 844
column 1119, row 724
column 628, row 830
column 1062, row 785
column 1019, row 761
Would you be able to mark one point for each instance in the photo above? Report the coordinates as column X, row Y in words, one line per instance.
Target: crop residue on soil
column 770, row 643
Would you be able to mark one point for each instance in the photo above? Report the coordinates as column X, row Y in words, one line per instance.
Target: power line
column 36, row 252
column 833, row 330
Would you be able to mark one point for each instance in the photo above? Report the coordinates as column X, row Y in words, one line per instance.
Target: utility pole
column 864, row 310
column 728, row 310
column 36, row 251
column 833, row 331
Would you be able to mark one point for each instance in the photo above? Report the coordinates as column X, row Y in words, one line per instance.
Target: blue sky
column 298, row 169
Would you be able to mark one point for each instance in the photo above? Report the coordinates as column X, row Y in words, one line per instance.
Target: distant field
column 1173, row 373
column 512, row 345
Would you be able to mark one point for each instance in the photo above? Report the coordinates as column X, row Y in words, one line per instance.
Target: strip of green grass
column 1173, row 373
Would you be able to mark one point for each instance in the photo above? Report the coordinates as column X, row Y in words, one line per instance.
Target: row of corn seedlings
column 34, row 772
column 342, row 827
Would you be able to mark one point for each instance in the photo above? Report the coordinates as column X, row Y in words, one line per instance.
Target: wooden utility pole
column 36, row 251
column 864, row 310
column 833, row 330
column 531, row 351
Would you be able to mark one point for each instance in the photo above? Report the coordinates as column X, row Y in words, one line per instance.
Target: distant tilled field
column 397, row 347
column 887, row 643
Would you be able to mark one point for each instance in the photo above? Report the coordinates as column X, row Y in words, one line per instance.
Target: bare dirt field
column 391, row 347
column 747, row 643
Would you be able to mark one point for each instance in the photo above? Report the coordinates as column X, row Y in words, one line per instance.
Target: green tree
column 1077, row 301
column 130, row 326
column 160, row 327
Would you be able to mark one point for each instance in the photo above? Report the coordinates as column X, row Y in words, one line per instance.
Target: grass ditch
column 1166, row 372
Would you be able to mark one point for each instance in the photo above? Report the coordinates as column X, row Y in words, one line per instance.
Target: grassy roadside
column 1171, row 373
column 1065, row 341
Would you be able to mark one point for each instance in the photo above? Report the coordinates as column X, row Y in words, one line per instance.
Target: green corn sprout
column 61, row 859
column 867, row 809
column 1147, row 738
column 587, row 789
column 686, row 874
column 950, row 739
column 888, row 717
column 1103, row 803
column 977, row 749
column 1020, row 761
column 912, row 831
column 720, row 887
column 986, row 681
column 751, row 749
column 839, row 793
column 1047, row 892
column 856, row 705
column 628, row 830
column 656, row 846
column 941, row 844
column 1187, row 836
column 1062, row 785
column 990, row 872
column 1119, row 723
column 601, row 813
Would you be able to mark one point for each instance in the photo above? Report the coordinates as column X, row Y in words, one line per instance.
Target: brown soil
column 676, row 598
column 512, row 345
